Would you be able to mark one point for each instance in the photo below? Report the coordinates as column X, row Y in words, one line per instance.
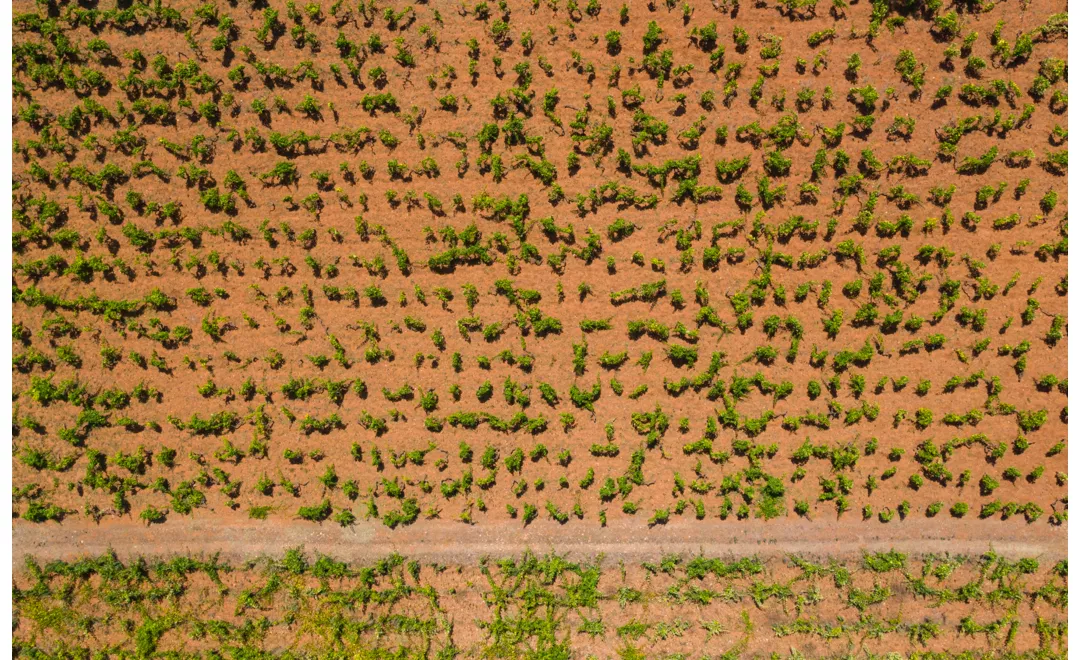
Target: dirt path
column 451, row 542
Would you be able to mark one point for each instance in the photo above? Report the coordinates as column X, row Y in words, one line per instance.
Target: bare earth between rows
column 454, row 542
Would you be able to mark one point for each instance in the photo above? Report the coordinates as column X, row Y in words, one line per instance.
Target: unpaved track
column 453, row 542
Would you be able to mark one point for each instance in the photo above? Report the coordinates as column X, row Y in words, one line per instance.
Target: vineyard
column 711, row 266
column 545, row 607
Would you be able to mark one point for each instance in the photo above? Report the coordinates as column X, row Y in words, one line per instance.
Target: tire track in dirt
column 454, row 542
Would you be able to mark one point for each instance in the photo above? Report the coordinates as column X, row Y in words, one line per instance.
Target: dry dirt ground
column 453, row 543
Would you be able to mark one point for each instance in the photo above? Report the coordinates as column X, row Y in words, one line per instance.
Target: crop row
column 541, row 606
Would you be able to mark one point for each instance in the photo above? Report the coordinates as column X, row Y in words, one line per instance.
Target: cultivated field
column 762, row 284
column 545, row 607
